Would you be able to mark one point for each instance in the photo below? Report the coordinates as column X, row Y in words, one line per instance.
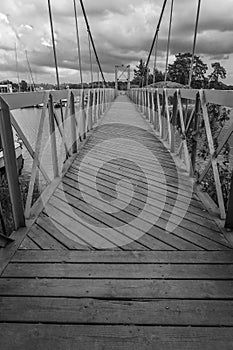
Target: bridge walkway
column 123, row 255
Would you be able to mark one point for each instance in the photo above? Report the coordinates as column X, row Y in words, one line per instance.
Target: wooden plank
column 169, row 257
column 219, row 97
column 168, row 120
column 185, row 234
column 195, row 204
column 10, row 249
column 28, row 244
column 53, row 137
column 60, row 233
column 156, row 182
column 184, row 142
column 172, row 240
column 151, row 165
column 8, row 145
column 111, row 178
column 213, row 159
column 43, row 239
column 151, row 211
column 88, row 236
column 120, row 271
column 153, row 173
column 118, row 288
column 93, row 311
column 91, row 337
column 116, row 220
column 109, row 231
column 36, row 159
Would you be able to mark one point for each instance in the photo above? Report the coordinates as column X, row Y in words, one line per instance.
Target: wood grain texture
column 67, row 288
column 60, row 337
column 134, row 312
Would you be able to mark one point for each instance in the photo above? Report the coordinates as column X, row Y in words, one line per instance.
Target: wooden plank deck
column 123, row 256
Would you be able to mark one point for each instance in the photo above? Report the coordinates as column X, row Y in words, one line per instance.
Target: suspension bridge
column 121, row 249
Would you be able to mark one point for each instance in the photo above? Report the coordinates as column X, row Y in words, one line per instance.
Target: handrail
column 78, row 121
column 167, row 110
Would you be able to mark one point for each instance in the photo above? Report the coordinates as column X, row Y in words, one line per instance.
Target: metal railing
column 71, row 123
column 178, row 116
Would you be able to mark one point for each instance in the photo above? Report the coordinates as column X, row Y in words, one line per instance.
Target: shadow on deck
column 123, row 255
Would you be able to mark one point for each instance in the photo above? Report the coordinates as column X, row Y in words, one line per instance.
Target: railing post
column 159, row 115
column 53, row 137
column 144, row 101
column 153, row 108
column 93, row 106
column 73, row 124
column 10, row 164
column 148, row 103
column 229, row 215
column 98, row 103
column 87, row 125
column 83, row 115
column 195, row 129
column 102, row 102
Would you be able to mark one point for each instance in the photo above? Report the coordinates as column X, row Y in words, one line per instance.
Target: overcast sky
column 122, row 29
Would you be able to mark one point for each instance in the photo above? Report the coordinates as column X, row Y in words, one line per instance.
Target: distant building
column 6, row 88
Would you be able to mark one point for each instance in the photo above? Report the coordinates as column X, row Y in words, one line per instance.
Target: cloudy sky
column 122, row 29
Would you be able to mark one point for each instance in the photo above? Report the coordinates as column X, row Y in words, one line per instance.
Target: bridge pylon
column 122, row 73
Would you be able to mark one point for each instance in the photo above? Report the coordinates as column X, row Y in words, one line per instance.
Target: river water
column 28, row 120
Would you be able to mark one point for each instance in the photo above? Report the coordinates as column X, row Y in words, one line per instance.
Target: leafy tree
column 23, row 86
column 179, row 70
column 218, row 72
column 159, row 75
column 140, row 74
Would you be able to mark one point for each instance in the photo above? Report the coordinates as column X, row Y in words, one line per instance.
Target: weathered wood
column 10, row 164
column 109, row 337
column 118, row 288
column 36, row 158
column 28, row 243
column 229, row 216
column 53, row 138
column 132, row 298
column 152, row 210
column 43, row 239
column 120, row 271
column 172, row 240
column 184, row 142
column 96, row 237
column 213, row 159
column 169, row 257
column 103, row 312
column 113, row 235
column 195, row 129
column 73, row 124
column 60, row 233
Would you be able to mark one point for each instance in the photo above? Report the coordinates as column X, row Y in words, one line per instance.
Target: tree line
column 179, row 71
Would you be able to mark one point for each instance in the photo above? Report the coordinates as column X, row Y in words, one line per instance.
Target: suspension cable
column 156, row 32
column 78, row 44
column 92, row 41
column 90, row 56
column 155, row 58
column 53, row 42
column 194, row 43
column 30, row 70
column 168, row 41
column 17, row 66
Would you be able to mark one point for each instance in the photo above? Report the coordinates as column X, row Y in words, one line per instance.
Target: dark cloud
column 122, row 31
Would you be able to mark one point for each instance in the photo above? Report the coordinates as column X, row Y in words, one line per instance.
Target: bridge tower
column 122, row 73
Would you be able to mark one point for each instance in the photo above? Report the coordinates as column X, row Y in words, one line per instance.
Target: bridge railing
column 60, row 131
column 197, row 126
